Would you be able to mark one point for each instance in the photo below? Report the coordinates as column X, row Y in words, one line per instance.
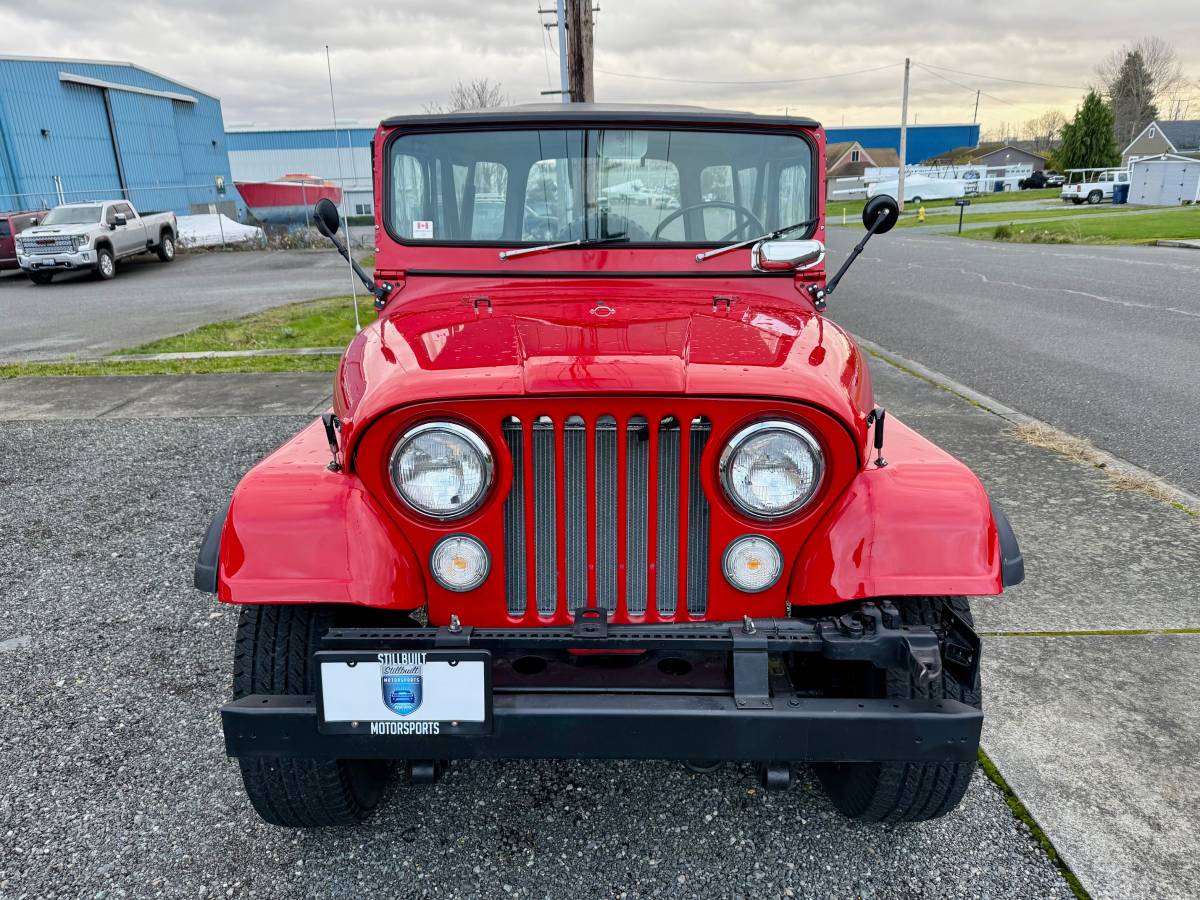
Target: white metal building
column 1164, row 180
column 342, row 156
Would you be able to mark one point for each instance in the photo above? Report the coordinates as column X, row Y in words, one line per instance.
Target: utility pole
column 903, row 136
column 341, row 186
column 564, row 80
column 579, row 52
column 975, row 115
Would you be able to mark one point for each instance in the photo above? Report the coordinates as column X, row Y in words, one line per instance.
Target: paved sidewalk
column 1096, row 734
column 169, row 396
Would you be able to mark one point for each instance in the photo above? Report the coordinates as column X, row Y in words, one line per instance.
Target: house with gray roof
column 1179, row 138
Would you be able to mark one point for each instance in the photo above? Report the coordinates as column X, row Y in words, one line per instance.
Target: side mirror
column 121, row 219
column 783, row 256
column 881, row 203
column 325, row 213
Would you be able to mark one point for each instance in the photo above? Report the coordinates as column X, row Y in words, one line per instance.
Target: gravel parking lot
column 114, row 782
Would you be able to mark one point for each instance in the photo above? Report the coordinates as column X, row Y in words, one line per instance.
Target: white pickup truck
column 1092, row 185
column 93, row 236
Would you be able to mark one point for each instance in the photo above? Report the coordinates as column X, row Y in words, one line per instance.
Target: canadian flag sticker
column 422, row 229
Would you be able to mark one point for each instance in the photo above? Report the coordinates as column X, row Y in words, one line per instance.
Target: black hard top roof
column 621, row 113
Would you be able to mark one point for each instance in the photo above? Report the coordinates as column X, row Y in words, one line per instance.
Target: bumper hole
column 529, row 665
column 673, row 665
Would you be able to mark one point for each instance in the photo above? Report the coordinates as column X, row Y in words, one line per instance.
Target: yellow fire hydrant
column 920, row 213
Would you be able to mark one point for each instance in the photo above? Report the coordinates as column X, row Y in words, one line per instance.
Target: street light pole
column 903, row 136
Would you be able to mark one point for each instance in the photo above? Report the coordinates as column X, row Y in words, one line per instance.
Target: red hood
column 589, row 340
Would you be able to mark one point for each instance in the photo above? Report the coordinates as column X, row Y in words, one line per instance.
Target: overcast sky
column 265, row 58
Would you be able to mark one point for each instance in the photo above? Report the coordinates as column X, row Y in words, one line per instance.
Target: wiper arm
column 769, row 236
column 579, row 242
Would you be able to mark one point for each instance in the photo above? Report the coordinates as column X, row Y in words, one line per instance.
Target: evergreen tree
column 1087, row 141
column 1131, row 93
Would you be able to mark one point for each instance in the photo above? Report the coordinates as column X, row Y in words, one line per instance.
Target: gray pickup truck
column 93, row 236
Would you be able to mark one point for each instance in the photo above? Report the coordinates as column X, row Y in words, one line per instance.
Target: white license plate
column 420, row 693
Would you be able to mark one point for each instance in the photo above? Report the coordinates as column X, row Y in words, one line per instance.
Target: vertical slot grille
column 637, row 497
column 590, row 506
column 545, row 515
column 575, row 483
column 515, row 566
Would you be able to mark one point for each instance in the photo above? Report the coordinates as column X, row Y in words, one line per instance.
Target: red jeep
column 603, row 482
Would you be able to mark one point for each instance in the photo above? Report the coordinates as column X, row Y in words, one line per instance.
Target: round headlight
column 459, row 563
column 752, row 564
column 441, row 469
column 771, row 469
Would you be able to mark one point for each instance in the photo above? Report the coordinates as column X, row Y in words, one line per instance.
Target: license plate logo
column 402, row 693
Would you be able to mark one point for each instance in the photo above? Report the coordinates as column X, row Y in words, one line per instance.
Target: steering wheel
column 749, row 217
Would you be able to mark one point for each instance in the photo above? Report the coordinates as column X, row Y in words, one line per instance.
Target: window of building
column 853, row 156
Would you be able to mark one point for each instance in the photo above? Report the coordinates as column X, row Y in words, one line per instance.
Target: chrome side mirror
column 783, row 256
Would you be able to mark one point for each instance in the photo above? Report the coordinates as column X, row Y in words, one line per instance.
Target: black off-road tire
column 106, row 264
column 274, row 655
column 900, row 791
column 166, row 247
column 41, row 277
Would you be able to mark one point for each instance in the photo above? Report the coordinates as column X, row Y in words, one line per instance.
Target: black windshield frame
column 386, row 206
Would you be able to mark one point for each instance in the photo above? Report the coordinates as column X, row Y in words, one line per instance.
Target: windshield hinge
column 481, row 303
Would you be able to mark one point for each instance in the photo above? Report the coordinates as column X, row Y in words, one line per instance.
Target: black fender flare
column 1012, row 563
column 205, row 576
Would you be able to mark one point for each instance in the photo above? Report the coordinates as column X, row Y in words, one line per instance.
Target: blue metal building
column 73, row 130
column 342, row 156
column 924, row 141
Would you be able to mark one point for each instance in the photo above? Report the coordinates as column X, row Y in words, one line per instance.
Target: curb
column 217, row 354
column 1186, row 245
column 995, row 407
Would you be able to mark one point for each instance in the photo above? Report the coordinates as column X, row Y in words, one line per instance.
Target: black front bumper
column 736, row 702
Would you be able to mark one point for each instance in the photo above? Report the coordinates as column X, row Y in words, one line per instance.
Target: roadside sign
column 219, row 181
column 962, row 202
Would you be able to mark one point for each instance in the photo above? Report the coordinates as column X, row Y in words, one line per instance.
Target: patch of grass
column 1081, row 451
column 1110, row 632
column 1035, row 830
column 980, row 218
column 368, row 262
column 1002, row 233
column 172, row 366
column 313, row 323
column 854, row 208
column 1144, row 228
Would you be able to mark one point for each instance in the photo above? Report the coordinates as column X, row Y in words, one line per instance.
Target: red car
column 620, row 493
column 12, row 224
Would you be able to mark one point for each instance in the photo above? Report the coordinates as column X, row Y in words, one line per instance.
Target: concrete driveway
column 80, row 315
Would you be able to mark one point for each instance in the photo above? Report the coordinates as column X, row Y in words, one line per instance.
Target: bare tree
column 1165, row 84
column 1045, row 130
column 479, row 93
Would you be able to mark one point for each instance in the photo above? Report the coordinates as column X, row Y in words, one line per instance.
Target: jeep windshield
column 574, row 186
column 73, row 215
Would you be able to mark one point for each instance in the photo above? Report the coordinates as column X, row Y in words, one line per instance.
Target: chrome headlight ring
column 456, row 436
column 729, row 468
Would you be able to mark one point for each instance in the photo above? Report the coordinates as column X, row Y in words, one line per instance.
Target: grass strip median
column 853, row 208
column 295, row 326
column 1142, row 228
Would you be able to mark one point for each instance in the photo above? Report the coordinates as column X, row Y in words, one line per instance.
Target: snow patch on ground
column 206, row 231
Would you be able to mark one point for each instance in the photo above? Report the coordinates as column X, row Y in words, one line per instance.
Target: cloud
column 266, row 59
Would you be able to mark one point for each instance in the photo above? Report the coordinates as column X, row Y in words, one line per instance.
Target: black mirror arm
column 821, row 295
column 380, row 292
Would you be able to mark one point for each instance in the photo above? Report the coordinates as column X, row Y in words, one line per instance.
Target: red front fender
column 921, row 525
column 299, row 533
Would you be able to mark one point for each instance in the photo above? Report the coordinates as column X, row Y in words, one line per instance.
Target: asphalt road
column 80, row 315
column 114, row 780
column 1102, row 342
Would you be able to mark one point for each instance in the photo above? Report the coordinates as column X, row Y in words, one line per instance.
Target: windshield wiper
column 769, row 236
column 580, row 242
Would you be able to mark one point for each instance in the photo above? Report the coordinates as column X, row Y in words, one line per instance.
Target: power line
column 774, row 81
column 974, row 90
column 1070, row 87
